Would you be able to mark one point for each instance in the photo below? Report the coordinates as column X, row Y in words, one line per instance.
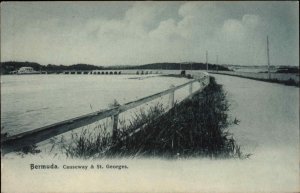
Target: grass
column 197, row 127
column 97, row 143
column 289, row 82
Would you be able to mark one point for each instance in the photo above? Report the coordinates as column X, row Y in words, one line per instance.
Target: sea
column 32, row 101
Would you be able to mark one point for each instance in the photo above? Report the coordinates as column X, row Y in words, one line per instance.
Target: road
column 268, row 128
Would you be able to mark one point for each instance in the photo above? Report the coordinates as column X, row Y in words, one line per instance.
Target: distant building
column 27, row 70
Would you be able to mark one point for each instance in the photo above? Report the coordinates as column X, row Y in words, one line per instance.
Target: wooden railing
column 15, row 142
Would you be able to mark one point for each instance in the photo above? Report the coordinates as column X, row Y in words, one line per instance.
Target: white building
column 27, row 70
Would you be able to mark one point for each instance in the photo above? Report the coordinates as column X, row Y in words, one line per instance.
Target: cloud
column 148, row 32
column 233, row 30
column 240, row 30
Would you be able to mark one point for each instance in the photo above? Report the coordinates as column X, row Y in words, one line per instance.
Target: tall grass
column 97, row 142
column 197, row 127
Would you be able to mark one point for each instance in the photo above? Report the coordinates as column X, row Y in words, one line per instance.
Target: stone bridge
column 131, row 71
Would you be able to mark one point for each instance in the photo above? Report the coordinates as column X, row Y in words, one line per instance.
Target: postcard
column 156, row 96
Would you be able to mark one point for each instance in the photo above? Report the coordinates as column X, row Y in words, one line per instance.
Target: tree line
column 7, row 67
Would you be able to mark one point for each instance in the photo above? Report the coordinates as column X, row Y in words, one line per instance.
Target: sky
column 132, row 33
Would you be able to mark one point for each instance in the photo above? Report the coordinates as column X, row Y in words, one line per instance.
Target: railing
column 15, row 142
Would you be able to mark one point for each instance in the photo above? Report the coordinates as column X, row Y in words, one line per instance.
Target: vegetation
column 7, row 67
column 97, row 142
column 288, row 69
column 196, row 127
column 289, row 82
column 55, row 68
column 178, row 66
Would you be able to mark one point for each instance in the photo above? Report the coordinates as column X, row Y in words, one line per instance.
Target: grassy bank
column 196, row 127
column 289, row 82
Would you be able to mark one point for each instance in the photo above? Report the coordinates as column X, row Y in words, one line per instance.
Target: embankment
column 283, row 78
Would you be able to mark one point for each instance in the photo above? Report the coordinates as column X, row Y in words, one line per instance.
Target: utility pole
column 268, row 58
column 206, row 60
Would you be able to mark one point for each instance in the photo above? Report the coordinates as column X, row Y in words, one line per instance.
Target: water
column 255, row 69
column 33, row 101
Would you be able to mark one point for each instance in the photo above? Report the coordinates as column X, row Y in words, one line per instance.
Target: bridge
column 193, row 73
column 114, row 72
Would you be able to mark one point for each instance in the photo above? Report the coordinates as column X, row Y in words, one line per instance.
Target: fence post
column 114, row 121
column 208, row 80
column 204, row 83
column 171, row 97
column 191, row 88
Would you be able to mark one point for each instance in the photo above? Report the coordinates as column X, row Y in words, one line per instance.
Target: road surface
column 268, row 128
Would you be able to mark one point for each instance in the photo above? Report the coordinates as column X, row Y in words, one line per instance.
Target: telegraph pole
column 269, row 74
column 206, row 60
